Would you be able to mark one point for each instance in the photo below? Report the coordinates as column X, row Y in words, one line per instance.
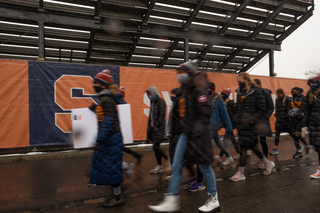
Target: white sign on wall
column 85, row 126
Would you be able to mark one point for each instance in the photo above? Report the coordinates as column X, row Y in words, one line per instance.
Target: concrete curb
column 31, row 156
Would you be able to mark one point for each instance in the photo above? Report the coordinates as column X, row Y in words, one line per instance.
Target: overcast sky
column 300, row 52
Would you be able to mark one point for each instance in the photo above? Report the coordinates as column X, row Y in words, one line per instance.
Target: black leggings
column 159, row 153
column 243, row 153
column 263, row 142
column 296, row 141
column 129, row 151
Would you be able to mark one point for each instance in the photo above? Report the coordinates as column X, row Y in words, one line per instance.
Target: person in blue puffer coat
column 106, row 167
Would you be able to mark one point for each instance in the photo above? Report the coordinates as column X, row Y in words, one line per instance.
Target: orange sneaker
column 316, row 175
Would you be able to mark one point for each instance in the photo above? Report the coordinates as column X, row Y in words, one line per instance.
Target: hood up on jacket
column 154, row 92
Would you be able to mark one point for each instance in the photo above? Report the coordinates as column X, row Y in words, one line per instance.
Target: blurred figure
column 106, row 168
column 250, row 109
column 156, row 126
column 231, row 109
column 282, row 119
column 266, row 131
column 311, row 110
column 194, row 145
column 120, row 100
column 219, row 119
column 175, row 129
column 295, row 117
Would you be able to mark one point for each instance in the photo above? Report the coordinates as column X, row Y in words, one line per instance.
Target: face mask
column 150, row 97
column 242, row 85
column 224, row 97
column 294, row 95
column 182, row 77
column 173, row 98
column 97, row 89
column 314, row 87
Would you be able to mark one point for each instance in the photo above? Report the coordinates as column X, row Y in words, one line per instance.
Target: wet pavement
column 59, row 185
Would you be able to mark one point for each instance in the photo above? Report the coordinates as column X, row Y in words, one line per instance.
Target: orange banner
column 14, row 104
column 137, row 80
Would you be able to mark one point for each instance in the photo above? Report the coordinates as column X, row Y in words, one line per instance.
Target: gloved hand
column 304, row 131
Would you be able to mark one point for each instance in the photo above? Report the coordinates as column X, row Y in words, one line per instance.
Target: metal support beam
column 283, row 36
column 168, row 53
column 41, row 54
column 295, row 26
column 41, row 4
column 229, row 59
column 275, row 12
column 194, row 36
column 17, row 14
column 255, row 60
column 225, row 27
column 186, row 25
column 271, row 63
column 267, row 20
column 93, row 32
column 186, row 50
column 233, row 17
column 136, row 38
column 193, row 14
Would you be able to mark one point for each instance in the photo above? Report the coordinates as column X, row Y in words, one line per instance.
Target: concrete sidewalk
column 54, row 182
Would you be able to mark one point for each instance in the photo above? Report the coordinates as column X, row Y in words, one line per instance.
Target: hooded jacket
column 156, row 122
column 106, row 168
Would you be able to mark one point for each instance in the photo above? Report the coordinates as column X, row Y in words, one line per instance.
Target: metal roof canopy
column 228, row 35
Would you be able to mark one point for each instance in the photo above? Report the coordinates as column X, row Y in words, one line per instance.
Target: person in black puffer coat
column 311, row 119
column 251, row 107
column 106, row 167
column 194, row 144
column 156, row 126
column 282, row 120
column 266, row 118
column 175, row 128
column 295, row 117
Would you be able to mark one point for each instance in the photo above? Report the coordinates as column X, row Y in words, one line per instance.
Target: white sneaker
column 269, row 166
column 211, row 205
column 237, row 177
column 316, row 175
column 168, row 177
column 259, row 165
column 170, row 203
column 157, row 169
column 236, row 157
column 217, row 157
column 249, row 152
column 228, row 161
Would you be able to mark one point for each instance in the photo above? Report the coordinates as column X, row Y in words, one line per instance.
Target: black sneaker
column 308, row 149
column 297, row 155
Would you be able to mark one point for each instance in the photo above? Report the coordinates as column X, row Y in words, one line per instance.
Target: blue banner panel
column 55, row 89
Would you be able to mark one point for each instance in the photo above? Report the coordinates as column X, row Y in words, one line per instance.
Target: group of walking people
column 197, row 113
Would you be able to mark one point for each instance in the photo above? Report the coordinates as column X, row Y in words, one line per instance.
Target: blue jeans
column 177, row 166
column 215, row 137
